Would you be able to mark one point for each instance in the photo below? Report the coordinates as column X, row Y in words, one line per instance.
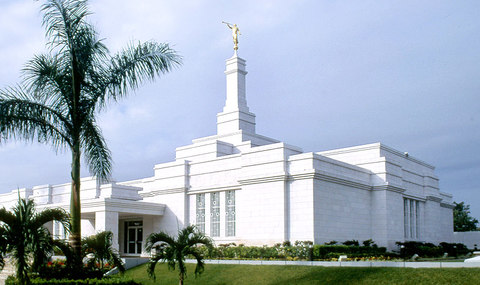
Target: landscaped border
column 407, row 264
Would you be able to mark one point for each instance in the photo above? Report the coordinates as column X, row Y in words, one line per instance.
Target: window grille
column 230, row 213
column 215, row 214
column 201, row 212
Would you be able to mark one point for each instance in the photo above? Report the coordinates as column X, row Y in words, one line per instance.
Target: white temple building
column 239, row 186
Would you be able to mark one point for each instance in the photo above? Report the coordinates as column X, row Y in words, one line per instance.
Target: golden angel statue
column 235, row 33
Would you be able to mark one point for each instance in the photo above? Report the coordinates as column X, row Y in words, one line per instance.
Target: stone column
column 108, row 221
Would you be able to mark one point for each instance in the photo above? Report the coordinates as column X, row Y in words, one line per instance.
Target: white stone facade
column 470, row 239
column 242, row 187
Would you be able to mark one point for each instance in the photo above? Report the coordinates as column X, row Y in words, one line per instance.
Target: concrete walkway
column 7, row 270
column 346, row 263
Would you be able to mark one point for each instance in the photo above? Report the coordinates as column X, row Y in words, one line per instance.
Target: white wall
column 341, row 212
column 301, row 205
column 470, row 239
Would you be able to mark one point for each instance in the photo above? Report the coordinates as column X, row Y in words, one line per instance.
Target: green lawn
column 276, row 274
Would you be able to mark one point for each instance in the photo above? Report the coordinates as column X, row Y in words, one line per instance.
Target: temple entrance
column 133, row 237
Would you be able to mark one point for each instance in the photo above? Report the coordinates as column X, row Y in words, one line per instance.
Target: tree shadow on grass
column 345, row 276
column 383, row 275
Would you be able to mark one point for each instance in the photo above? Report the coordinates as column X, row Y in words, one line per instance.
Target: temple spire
column 235, row 115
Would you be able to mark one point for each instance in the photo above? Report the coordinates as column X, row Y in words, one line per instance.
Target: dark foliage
column 462, row 221
column 301, row 250
column 351, row 242
column 173, row 251
column 24, row 237
column 431, row 250
column 104, row 281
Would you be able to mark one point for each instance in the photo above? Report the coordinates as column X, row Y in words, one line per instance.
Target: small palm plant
column 102, row 251
column 165, row 248
column 25, row 238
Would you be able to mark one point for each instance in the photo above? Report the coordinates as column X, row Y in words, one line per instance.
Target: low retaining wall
column 345, row 263
column 470, row 239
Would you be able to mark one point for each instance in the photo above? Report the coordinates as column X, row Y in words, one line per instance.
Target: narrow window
column 215, row 214
column 411, row 218
column 125, row 237
column 201, row 212
column 58, row 230
column 230, row 213
column 406, row 218
column 417, row 222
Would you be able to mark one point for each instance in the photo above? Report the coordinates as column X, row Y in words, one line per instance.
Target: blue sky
column 322, row 75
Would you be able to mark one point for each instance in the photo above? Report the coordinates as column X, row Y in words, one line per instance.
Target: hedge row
column 307, row 251
column 104, row 281
column 334, row 251
column 410, row 248
column 299, row 251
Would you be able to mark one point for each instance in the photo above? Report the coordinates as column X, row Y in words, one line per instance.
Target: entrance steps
column 7, row 270
column 129, row 262
column 134, row 261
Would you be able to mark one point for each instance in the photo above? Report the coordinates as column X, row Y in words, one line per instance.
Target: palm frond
column 90, row 51
column 151, row 266
column 95, row 149
column 22, row 117
column 156, row 239
column 117, row 261
column 66, row 249
column 49, row 79
column 200, row 267
column 100, row 245
column 42, row 248
column 7, row 217
column 135, row 64
column 21, row 237
column 62, row 19
column 198, row 238
column 3, row 246
column 49, row 215
column 175, row 250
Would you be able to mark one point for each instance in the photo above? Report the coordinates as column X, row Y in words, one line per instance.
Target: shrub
column 58, row 269
column 334, row 251
column 54, row 269
column 431, row 250
column 300, row 250
column 369, row 242
column 409, row 248
column 454, row 249
column 351, row 242
column 105, row 281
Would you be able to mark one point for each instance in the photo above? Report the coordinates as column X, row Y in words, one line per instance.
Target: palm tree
column 174, row 250
column 100, row 246
column 25, row 238
column 64, row 89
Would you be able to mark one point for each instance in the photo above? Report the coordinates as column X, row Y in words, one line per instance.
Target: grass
column 216, row 274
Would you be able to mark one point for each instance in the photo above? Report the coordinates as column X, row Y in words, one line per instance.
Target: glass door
column 133, row 237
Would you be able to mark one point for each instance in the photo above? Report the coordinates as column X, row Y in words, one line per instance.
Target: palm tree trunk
column 75, row 207
column 21, row 258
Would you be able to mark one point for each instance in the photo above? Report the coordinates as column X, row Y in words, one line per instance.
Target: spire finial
column 235, row 33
